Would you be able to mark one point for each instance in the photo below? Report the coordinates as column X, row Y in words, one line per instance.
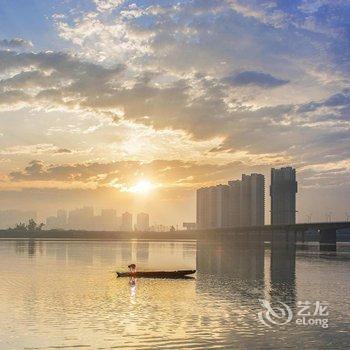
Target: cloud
column 166, row 173
column 266, row 12
column 255, row 78
column 201, row 106
column 107, row 5
column 66, row 65
column 167, row 68
column 63, row 150
column 36, row 149
column 16, row 43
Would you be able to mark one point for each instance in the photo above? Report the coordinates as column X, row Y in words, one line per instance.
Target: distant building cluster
column 85, row 219
column 242, row 202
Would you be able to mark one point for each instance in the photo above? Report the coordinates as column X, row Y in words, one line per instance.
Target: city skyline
column 136, row 104
column 239, row 203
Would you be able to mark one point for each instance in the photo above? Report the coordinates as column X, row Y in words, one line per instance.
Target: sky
column 134, row 104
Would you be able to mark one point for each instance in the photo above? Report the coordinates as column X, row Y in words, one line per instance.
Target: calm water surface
column 64, row 294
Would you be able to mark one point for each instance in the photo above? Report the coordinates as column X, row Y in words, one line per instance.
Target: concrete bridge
column 323, row 232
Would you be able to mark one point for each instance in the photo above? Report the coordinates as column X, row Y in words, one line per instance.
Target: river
column 65, row 294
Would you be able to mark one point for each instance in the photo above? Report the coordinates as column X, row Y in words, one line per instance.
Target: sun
column 142, row 187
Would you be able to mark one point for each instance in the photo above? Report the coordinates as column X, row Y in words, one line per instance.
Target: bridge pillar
column 328, row 239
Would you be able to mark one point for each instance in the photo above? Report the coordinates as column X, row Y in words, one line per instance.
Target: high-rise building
column 240, row 203
column 213, row 206
column 142, row 222
column 204, row 207
column 257, row 196
column 201, row 204
column 221, row 198
column 252, row 200
column 126, row 222
column 245, row 201
column 234, row 203
column 283, row 191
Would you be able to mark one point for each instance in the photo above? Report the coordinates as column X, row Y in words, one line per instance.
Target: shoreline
column 96, row 235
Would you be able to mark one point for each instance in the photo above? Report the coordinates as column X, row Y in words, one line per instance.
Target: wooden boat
column 157, row 274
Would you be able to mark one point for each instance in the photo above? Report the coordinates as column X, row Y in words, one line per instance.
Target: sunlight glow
column 141, row 187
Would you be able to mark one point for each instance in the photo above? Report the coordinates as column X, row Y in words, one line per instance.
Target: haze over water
column 64, row 294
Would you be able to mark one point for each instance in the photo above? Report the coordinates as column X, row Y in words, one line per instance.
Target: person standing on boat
column 132, row 268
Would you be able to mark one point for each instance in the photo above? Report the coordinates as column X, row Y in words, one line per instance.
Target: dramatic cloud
column 232, row 84
column 121, row 174
column 202, row 106
column 15, row 43
column 170, row 173
column 255, row 78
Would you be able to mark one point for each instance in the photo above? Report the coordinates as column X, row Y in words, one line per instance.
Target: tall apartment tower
column 245, row 200
column 283, row 191
column 222, row 207
column 257, row 197
column 240, row 203
column 126, row 222
column 142, row 222
column 234, row 205
column 212, row 207
column 252, row 200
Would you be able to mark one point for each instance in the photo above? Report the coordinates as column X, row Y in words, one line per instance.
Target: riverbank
column 168, row 235
column 96, row 235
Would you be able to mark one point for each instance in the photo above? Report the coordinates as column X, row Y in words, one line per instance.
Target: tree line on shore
column 31, row 226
